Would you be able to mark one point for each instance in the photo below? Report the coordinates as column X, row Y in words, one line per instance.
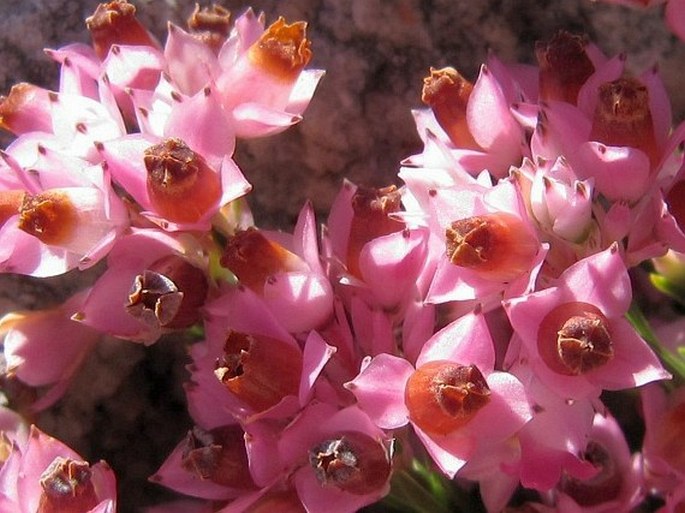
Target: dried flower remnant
column 210, row 25
column 443, row 396
column 180, row 183
column 575, row 338
column 497, row 246
column 67, row 487
column 623, row 117
column 115, row 23
column 353, row 462
column 50, row 216
column 603, row 487
column 283, row 50
column 564, row 66
column 253, row 259
column 168, row 294
column 260, row 371
column 218, row 455
column 371, row 219
column 447, row 93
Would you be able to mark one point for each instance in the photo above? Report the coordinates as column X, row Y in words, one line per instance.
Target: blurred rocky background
column 127, row 405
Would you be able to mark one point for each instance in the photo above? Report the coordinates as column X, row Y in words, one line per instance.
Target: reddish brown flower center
column 353, row 462
column 443, row 396
column 447, row 93
column 371, row 219
column 211, row 25
column 498, row 246
column 115, row 23
column 254, row 259
column 575, row 338
column 676, row 203
column 168, row 294
column 49, row 216
column 602, row 487
column 282, row 50
column 181, row 185
column 564, row 66
column 10, row 204
column 218, row 455
column 623, row 117
column 67, row 487
column 259, row 370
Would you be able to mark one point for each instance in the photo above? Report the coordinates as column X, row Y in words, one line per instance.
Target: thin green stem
column 673, row 362
column 409, row 495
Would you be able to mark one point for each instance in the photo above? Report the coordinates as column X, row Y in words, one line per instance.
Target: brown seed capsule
column 218, row 455
column 443, row 396
column 604, row 486
column 497, row 246
column 169, row 293
column 447, row 93
column 352, row 461
column 49, row 216
column 211, row 25
column 115, row 23
column 67, row 487
column 259, row 370
column 282, row 50
column 564, row 66
column 575, row 338
column 371, row 219
column 253, row 259
column 623, row 117
column 181, row 185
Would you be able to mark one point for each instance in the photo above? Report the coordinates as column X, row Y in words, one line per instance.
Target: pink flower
column 153, row 284
column 574, row 336
column 43, row 476
column 455, row 400
column 40, row 359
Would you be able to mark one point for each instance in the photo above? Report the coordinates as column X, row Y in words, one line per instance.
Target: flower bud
column 181, row 185
column 447, row 93
column 443, row 396
column 211, row 26
column 260, row 371
column 169, row 293
column 253, row 259
column 67, row 487
column 26, row 109
column 353, row 461
column 623, row 117
column 497, row 246
column 371, row 220
column 282, row 50
column 564, row 66
column 575, row 338
column 115, row 23
column 218, row 455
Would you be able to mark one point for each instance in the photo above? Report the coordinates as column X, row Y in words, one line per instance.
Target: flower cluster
column 465, row 325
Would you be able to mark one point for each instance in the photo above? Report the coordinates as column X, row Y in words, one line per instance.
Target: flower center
column 353, row 462
column 498, row 246
column 49, row 216
column 623, row 117
column 218, row 455
column 115, row 23
column 564, row 67
column 282, row 50
column 447, row 93
column 443, row 396
column 575, row 338
column 602, row 487
column 67, row 487
column 211, row 25
column 181, row 185
column 260, row 371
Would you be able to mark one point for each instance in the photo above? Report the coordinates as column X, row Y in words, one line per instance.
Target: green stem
column 410, row 496
column 673, row 362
